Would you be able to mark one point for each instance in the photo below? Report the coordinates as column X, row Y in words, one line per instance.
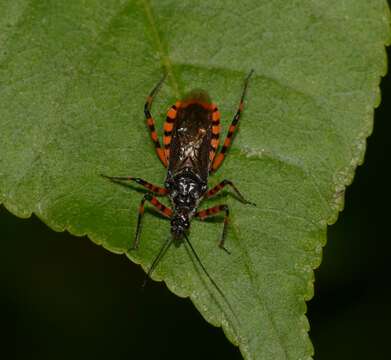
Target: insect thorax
column 186, row 189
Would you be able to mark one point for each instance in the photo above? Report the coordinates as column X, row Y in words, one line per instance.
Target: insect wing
column 191, row 139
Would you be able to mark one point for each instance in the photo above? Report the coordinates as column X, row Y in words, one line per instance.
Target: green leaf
column 73, row 80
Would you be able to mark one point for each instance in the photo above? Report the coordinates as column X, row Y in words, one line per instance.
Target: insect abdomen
column 191, row 139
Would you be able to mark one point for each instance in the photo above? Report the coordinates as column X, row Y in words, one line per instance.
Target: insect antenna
column 157, row 259
column 209, row 276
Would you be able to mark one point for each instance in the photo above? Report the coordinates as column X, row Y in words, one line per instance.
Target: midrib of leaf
column 331, row 207
column 164, row 57
column 253, row 281
column 248, row 264
column 167, row 64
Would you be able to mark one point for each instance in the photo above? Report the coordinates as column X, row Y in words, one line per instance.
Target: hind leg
column 151, row 122
column 217, row 161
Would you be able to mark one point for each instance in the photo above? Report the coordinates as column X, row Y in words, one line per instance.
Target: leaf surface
column 73, row 81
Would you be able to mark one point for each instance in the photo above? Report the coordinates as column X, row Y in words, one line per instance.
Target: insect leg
column 203, row 214
column 164, row 210
column 151, row 122
column 221, row 185
column 227, row 142
column 152, row 188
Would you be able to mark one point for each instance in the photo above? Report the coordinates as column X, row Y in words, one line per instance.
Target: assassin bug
column 190, row 153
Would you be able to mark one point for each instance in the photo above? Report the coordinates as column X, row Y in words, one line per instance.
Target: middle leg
column 151, row 187
column 213, row 191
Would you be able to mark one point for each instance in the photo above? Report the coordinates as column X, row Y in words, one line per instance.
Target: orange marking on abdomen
column 154, row 136
column 168, row 126
column 171, row 113
column 166, row 140
column 150, row 121
column 215, row 115
column 216, row 129
column 214, row 143
column 232, row 128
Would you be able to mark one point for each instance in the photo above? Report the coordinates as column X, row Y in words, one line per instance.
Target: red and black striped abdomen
column 192, row 136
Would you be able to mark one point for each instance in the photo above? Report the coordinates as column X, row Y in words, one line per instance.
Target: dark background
column 64, row 297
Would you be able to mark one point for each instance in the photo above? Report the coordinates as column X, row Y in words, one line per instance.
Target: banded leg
column 203, row 214
column 224, row 183
column 168, row 127
column 157, row 190
column 151, row 122
column 227, row 143
column 164, row 210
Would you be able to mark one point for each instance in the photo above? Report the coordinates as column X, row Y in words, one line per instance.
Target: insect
column 190, row 154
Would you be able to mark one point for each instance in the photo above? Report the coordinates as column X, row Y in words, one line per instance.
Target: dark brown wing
column 191, row 139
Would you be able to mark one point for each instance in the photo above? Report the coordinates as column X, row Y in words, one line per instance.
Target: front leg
column 203, row 214
column 164, row 210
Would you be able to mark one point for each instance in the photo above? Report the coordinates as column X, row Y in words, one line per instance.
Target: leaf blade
column 67, row 96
